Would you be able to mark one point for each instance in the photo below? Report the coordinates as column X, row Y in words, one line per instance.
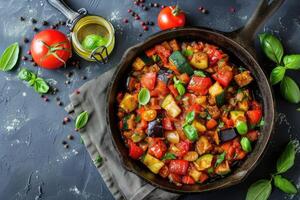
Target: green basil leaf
column 81, row 120
column 285, row 185
column 190, row 132
column 98, row 160
column 180, row 88
column 292, row 61
column 189, row 118
column 277, row 75
column 290, row 90
column 137, row 119
column 199, row 73
column 286, row 159
column 246, row 144
column 259, row 190
column 169, row 156
column 25, row 74
column 40, row 86
column 9, row 57
column 144, row 96
column 271, row 46
column 220, row 159
column 187, row 52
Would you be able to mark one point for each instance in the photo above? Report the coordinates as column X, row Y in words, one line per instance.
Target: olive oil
column 93, row 25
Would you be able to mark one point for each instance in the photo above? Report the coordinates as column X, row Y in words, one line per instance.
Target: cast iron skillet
column 239, row 46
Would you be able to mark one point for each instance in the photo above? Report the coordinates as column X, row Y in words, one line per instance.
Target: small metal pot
column 239, row 46
column 77, row 22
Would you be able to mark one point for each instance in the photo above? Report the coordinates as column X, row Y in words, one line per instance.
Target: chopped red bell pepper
column 228, row 122
column 214, row 55
column 253, row 135
column 188, row 180
column 179, row 167
column 184, row 78
column 148, row 80
column 183, row 147
column 212, row 123
column 157, row 148
column 173, row 90
column 255, row 105
column 254, row 116
column 199, row 85
column 151, row 52
column 167, row 124
column 163, row 53
column 174, row 178
column 203, row 177
column 160, row 89
column 223, row 76
column 135, row 151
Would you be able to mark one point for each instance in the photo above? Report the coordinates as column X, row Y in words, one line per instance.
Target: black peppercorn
column 25, row 40
column 35, row 29
column 22, row 18
column 33, row 20
column 45, row 23
column 70, row 137
column 66, row 146
column 64, row 142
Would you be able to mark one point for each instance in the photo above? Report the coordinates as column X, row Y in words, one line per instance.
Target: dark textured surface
column 31, row 131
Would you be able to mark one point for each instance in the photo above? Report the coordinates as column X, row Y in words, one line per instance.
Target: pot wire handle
column 70, row 14
column 103, row 58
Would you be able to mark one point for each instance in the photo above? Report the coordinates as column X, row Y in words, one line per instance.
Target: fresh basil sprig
column 81, row 120
column 9, row 57
column 220, row 159
column 144, row 96
column 261, row 189
column 38, row 83
column 179, row 86
column 273, row 49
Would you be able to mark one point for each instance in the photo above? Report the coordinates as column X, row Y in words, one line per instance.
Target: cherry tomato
column 223, row 76
column 157, row 148
column 254, row 116
column 170, row 17
column 50, row 49
column 149, row 115
column 199, row 85
column 135, row 151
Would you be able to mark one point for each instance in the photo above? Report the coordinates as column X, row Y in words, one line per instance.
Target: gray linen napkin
column 121, row 183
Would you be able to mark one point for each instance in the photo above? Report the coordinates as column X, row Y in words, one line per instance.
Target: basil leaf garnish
column 277, row 75
column 189, row 118
column 286, row 159
column 81, row 120
column 179, row 86
column 169, row 156
column 272, row 47
column 259, row 190
column 292, row 61
column 290, row 90
column 220, row 159
column 38, row 83
column 9, row 57
column 285, row 185
column 144, row 96
column 187, row 52
column 199, row 73
column 40, row 86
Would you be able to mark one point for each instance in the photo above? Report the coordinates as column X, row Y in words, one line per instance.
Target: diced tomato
column 214, row 55
column 164, row 171
column 179, row 167
column 203, row 177
column 229, row 149
column 163, row 53
column 183, row 147
column 199, row 85
column 188, row 180
column 196, row 108
column 253, row 135
column 157, row 148
column 228, row 122
column 142, row 125
column 167, row 124
column 154, row 104
column 240, row 154
column 254, row 116
column 160, row 89
column 150, row 52
column 212, row 123
column 184, row 78
column 120, row 97
column 255, row 105
column 135, row 151
column 174, row 178
column 223, row 76
column 148, row 80
column 173, row 90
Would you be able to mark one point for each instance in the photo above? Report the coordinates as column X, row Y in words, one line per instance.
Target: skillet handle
column 264, row 10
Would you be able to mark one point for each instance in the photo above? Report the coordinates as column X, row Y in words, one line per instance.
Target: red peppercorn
column 77, row 91
column 145, row 28
column 129, row 10
column 162, row 6
column 137, row 17
column 29, row 52
column 125, row 21
column 143, row 23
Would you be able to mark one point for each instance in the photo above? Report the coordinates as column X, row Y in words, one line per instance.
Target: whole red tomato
column 170, row 17
column 50, row 49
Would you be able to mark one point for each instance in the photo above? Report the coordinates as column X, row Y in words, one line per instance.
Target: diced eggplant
column 155, row 128
column 200, row 60
column 227, row 134
column 163, row 75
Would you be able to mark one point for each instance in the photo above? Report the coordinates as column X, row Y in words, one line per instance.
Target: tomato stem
column 176, row 11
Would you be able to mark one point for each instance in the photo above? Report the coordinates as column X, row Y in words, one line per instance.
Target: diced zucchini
column 200, row 127
column 138, row 64
column 199, row 60
column 129, row 103
column 237, row 115
column 170, row 106
column 152, row 163
column 136, row 137
column 220, row 99
column 223, row 168
column 215, row 89
column 204, row 162
column 181, row 63
column 203, row 145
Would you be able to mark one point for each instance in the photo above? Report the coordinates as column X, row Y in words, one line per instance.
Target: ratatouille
column 187, row 112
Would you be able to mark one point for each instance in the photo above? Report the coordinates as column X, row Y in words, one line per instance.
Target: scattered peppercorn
column 42, row 96
column 55, row 90
column 145, row 8
column 70, row 137
column 83, row 77
column 151, row 5
column 66, row 119
column 151, row 23
column 57, row 99
column 24, row 58
column 34, row 21
column 232, row 9
column 28, row 52
column 66, row 146
column 137, row 17
column 156, row 5
column 129, row 10
column 77, row 91
column 69, row 74
column 34, row 64
column 59, row 103
column 63, row 23
column 141, row 34
column 204, row 11
column 22, row 18
column 125, row 21
column 133, row 14
column 46, row 99
column 53, row 27
column 142, row 23
column 25, row 40
column 45, row 23
column 64, row 142
column 145, row 28
column 68, row 82
column 31, row 60
column 35, row 29
column 162, row 6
